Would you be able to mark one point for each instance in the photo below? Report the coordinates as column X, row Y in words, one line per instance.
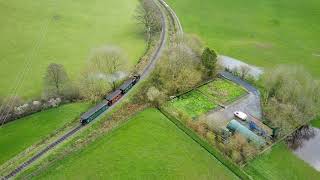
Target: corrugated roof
column 93, row 110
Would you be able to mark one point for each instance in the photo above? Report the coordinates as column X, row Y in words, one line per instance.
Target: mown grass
column 264, row 32
column 316, row 123
column 43, row 32
column 193, row 103
column 222, row 91
column 18, row 135
column 280, row 164
column 149, row 146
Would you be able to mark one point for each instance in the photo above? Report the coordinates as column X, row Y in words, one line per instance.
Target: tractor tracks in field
column 166, row 13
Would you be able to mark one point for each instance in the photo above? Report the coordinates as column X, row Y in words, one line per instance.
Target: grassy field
column 280, row 164
column 264, row 33
column 42, row 32
column 149, row 146
column 193, row 103
column 19, row 135
column 222, row 91
column 316, row 123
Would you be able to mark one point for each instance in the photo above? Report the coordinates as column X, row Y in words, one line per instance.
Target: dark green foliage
column 209, row 60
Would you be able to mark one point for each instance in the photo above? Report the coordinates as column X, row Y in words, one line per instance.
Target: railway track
column 153, row 60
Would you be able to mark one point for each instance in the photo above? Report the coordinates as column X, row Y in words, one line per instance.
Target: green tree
column 209, row 60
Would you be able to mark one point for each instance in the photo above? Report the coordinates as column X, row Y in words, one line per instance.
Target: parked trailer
column 94, row 112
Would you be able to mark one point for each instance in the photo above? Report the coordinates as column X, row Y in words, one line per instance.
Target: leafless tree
column 291, row 97
column 148, row 14
column 106, row 66
column 244, row 71
column 156, row 97
column 55, row 80
column 108, row 61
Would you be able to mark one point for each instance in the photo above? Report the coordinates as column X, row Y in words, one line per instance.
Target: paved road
column 153, row 60
column 241, row 82
column 249, row 104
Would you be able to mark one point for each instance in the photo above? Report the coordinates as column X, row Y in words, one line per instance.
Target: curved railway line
column 165, row 11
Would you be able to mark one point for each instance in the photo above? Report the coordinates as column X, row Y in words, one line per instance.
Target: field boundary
column 215, row 153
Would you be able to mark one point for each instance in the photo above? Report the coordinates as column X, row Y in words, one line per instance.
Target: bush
column 291, row 97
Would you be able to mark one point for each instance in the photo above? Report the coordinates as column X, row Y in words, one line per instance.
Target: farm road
column 249, row 104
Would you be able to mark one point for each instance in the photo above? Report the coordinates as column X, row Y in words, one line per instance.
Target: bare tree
column 91, row 87
column 55, row 80
column 244, row 71
column 109, row 63
column 178, row 70
column 106, row 67
column 156, row 97
column 148, row 14
column 291, row 97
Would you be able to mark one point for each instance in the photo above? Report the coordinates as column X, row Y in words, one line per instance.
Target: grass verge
column 148, row 146
column 280, row 163
column 18, row 135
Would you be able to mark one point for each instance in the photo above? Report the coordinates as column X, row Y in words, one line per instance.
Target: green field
column 19, row 135
column 281, row 164
column 42, row 32
column 149, row 146
column 316, row 123
column 222, row 91
column 264, row 32
column 193, row 103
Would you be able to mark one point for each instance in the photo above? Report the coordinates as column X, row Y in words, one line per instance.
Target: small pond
column 309, row 150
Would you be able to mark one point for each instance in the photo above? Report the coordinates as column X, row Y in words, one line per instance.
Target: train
column 109, row 100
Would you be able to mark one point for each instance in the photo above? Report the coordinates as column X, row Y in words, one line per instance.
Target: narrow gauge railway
column 109, row 100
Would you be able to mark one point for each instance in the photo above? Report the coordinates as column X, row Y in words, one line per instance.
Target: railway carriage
column 108, row 101
column 127, row 85
column 114, row 97
column 94, row 112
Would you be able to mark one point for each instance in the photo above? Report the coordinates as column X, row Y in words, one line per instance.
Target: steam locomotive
column 109, row 100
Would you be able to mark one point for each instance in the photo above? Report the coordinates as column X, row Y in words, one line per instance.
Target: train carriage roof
column 94, row 109
column 126, row 84
column 113, row 95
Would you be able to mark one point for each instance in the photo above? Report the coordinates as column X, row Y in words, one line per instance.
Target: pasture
column 263, row 33
column 16, row 136
column 37, row 33
column 148, row 146
column 280, row 163
column 207, row 97
column 316, row 123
